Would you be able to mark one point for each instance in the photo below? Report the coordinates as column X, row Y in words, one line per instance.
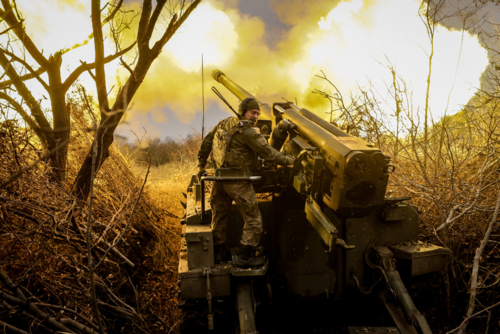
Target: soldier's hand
column 201, row 171
column 291, row 160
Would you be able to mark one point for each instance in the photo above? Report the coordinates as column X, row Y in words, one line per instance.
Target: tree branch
column 174, row 25
column 78, row 325
column 152, row 21
column 89, row 37
column 451, row 217
column 128, row 69
column 475, row 268
column 23, row 302
column 10, row 18
column 36, row 110
column 100, row 81
column 24, row 170
column 33, row 72
column 27, row 118
column 82, row 68
column 88, row 70
column 144, row 21
column 7, row 83
column 11, row 328
column 10, row 28
column 114, row 250
column 128, row 223
column 466, row 320
column 68, row 310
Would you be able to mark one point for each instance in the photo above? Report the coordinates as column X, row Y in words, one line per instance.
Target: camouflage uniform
column 235, row 143
column 223, row 194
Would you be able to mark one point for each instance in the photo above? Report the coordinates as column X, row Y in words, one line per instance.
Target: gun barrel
column 241, row 93
column 318, row 136
column 321, row 122
column 355, row 177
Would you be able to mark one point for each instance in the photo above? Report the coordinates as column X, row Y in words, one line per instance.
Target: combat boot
column 247, row 257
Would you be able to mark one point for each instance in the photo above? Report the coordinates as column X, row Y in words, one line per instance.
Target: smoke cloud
column 353, row 42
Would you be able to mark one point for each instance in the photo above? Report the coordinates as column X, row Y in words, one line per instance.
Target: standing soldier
column 235, row 143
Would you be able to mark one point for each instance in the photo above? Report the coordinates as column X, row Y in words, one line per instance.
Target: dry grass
column 42, row 250
column 167, row 182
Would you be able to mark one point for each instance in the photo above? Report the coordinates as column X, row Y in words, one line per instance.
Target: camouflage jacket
column 235, row 143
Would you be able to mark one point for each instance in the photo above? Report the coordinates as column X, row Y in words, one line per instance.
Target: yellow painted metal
column 241, row 94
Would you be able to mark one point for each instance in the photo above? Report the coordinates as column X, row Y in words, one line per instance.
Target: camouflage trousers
column 243, row 194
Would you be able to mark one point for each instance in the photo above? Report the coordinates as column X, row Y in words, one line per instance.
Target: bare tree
column 18, row 70
column 179, row 10
column 50, row 135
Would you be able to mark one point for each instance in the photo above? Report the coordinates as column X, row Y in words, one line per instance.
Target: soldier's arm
column 259, row 144
column 206, row 147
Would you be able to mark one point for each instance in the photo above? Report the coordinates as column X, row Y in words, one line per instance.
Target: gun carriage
column 329, row 228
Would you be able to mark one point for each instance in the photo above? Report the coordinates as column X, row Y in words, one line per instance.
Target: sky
column 275, row 49
column 281, row 35
column 173, row 126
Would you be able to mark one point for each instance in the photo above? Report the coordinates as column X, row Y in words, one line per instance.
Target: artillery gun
column 329, row 229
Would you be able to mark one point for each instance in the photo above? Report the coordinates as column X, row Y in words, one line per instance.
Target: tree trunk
column 105, row 133
column 50, row 137
column 61, row 119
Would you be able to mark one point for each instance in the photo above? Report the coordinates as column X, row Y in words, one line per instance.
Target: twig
column 21, row 300
column 27, row 271
column 25, row 169
column 128, row 223
column 128, row 68
column 118, row 300
column 87, row 320
column 114, row 250
column 78, row 325
column 135, row 293
column 488, row 323
column 88, row 69
column 87, row 238
column 13, row 26
column 171, row 329
column 475, row 268
column 451, row 219
column 11, row 328
column 472, row 316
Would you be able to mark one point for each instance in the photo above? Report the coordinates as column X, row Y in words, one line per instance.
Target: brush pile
column 45, row 243
column 454, row 179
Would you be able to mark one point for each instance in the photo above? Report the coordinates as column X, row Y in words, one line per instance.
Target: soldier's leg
column 220, row 203
column 244, row 195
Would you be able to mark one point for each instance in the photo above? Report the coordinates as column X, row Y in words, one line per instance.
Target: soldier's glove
column 201, row 172
column 291, row 160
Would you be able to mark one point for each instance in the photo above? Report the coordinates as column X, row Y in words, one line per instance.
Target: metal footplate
column 256, row 271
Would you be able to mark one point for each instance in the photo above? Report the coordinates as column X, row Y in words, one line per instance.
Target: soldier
column 234, row 142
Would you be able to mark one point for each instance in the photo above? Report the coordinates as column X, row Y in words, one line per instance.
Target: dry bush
column 161, row 151
column 455, row 183
column 43, row 248
column 453, row 178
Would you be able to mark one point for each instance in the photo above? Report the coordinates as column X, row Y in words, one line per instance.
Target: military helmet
column 248, row 104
